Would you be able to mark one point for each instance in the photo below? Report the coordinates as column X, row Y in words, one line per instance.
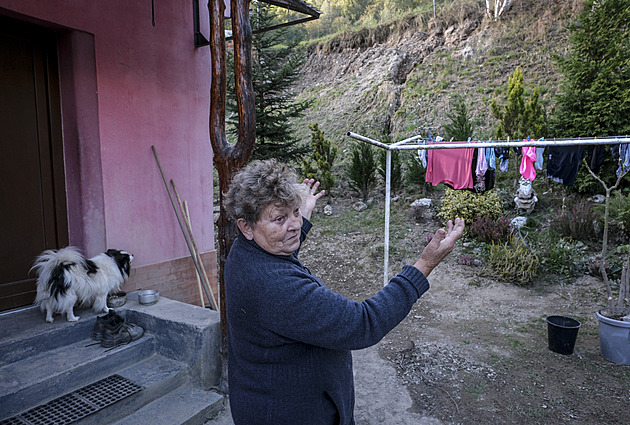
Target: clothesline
column 403, row 145
column 490, row 144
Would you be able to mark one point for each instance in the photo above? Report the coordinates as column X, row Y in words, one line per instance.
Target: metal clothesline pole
column 402, row 145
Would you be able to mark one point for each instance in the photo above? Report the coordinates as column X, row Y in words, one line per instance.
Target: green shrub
column 362, row 169
column 415, row 172
column 396, row 169
column 319, row 165
column 512, row 261
column 620, row 211
column 561, row 256
column 469, row 205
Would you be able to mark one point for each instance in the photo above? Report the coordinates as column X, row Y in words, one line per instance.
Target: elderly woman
column 289, row 336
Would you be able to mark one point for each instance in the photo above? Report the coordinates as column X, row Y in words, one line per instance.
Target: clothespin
column 469, row 139
column 451, row 139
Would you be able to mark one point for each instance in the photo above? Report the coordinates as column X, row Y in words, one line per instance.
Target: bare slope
column 399, row 78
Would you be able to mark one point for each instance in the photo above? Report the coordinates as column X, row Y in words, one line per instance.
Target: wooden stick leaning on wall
column 186, row 214
column 180, row 222
column 195, row 251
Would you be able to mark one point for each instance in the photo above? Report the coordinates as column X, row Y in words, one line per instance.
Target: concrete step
column 186, row 405
column 26, row 333
column 159, row 376
column 49, row 374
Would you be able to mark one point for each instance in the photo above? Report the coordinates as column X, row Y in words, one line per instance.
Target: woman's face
column 278, row 229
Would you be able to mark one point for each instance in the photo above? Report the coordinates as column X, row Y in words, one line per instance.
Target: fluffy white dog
column 66, row 277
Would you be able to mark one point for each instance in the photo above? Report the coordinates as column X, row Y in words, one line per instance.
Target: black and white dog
column 66, row 277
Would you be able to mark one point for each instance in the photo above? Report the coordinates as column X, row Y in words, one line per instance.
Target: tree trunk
column 228, row 159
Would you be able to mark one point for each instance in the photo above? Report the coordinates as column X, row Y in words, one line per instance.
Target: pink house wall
column 126, row 85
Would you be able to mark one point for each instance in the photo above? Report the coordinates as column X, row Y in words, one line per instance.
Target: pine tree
column 509, row 118
column 533, row 123
column 362, row 170
column 517, row 118
column 275, row 69
column 596, row 89
column 460, row 126
column 323, row 154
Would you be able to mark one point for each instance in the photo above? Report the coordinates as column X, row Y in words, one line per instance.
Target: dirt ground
column 473, row 350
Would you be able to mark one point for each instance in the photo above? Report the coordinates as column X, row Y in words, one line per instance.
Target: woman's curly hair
column 260, row 184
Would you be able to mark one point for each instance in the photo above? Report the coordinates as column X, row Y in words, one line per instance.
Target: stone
column 424, row 202
column 359, row 206
column 328, row 210
column 518, row 222
column 598, row 199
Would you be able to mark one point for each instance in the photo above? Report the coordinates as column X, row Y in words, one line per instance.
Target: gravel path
column 380, row 397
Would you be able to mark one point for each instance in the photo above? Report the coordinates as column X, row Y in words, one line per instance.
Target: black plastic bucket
column 562, row 332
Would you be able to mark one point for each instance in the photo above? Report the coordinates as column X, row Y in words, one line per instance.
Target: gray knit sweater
column 289, row 337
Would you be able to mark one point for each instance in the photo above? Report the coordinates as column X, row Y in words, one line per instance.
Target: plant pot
column 614, row 339
column 562, row 333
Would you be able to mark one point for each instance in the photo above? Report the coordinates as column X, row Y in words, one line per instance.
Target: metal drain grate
column 78, row 404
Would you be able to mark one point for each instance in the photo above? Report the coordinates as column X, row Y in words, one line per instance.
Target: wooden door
column 32, row 194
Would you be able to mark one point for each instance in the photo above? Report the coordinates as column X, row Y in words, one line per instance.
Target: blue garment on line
column 624, row 159
column 491, row 159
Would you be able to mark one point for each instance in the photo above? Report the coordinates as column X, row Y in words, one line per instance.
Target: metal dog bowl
column 117, row 299
column 148, row 296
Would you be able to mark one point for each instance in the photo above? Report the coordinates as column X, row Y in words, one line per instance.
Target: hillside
column 399, row 78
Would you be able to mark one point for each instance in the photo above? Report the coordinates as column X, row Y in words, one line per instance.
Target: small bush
column 362, row 169
column 488, row 230
column 576, row 222
column 512, row 261
column 396, row 169
column 469, row 206
column 415, row 172
column 562, row 257
column 620, row 211
column 322, row 158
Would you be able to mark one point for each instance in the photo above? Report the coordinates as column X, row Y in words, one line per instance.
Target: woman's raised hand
column 310, row 198
column 440, row 246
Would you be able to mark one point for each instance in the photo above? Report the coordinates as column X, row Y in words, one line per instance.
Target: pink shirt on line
column 450, row 166
column 527, row 164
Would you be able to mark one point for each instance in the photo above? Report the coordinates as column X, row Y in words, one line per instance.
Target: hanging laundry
column 422, row 156
column 485, row 182
column 491, row 159
column 540, row 152
column 482, row 165
column 504, row 155
column 624, row 159
column 480, row 170
column 450, row 166
column 563, row 163
column 595, row 156
column 527, row 163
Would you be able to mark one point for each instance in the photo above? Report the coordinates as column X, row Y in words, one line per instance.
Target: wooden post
column 228, row 159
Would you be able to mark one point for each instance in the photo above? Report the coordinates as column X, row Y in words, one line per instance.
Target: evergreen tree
column 533, row 123
column 362, row 170
column 596, row 89
column 460, row 126
column 323, row 153
column 509, row 118
column 415, row 173
column 517, row 118
column 275, row 69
